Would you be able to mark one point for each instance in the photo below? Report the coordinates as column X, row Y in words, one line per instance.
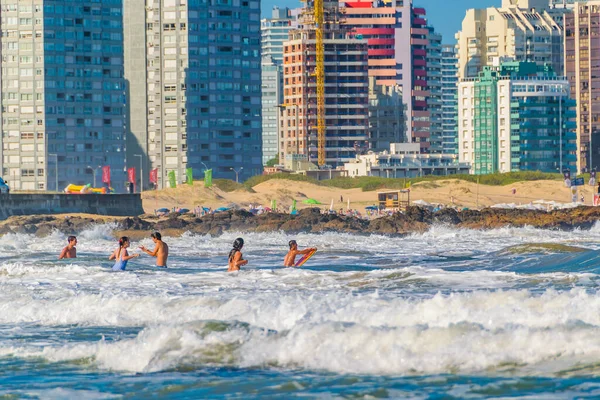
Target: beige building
column 582, row 67
column 346, row 89
column 523, row 30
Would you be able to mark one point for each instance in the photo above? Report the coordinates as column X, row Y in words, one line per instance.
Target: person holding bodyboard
column 290, row 258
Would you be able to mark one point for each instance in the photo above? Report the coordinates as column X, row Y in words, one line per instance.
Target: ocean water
column 445, row 314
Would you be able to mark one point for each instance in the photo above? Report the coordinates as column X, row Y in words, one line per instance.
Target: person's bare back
column 162, row 253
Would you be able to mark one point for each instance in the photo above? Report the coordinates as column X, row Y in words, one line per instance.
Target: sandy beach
column 448, row 192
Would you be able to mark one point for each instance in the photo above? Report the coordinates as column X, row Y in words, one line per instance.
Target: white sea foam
column 397, row 310
column 339, row 347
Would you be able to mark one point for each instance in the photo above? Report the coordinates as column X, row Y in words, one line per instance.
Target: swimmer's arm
column 129, row 257
column 237, row 260
column 112, row 256
column 305, row 251
column 63, row 254
column 151, row 253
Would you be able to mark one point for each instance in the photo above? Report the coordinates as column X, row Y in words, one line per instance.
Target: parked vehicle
column 4, row 186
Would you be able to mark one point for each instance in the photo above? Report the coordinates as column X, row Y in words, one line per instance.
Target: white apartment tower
column 523, row 30
column 274, row 32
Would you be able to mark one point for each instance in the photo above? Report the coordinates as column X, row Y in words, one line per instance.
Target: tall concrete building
column 345, row 86
column 397, row 36
column 387, row 122
column 516, row 117
column 63, row 93
column 203, row 88
column 523, row 30
column 136, row 78
column 449, row 63
column 434, row 100
column 274, row 32
column 582, row 67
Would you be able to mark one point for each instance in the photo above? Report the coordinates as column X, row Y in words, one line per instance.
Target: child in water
column 290, row 258
column 121, row 256
column 235, row 256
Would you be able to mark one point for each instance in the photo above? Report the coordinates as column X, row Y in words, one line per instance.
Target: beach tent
column 311, row 201
column 371, row 208
column 222, row 209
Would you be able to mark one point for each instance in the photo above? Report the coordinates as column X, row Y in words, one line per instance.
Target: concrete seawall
column 127, row 205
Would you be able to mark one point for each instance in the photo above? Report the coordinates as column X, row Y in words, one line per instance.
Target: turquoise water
column 445, row 314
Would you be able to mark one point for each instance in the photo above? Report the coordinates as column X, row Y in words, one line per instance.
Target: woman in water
column 235, row 256
column 121, row 256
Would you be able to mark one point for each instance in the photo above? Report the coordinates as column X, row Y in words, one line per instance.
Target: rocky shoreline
column 415, row 219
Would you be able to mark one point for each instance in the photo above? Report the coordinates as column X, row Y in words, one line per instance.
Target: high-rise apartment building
column 397, row 37
column 516, row 117
column 345, row 86
column 434, row 100
column 63, row 93
column 274, row 32
column 136, row 78
column 203, row 87
column 582, row 67
column 523, row 30
column 387, row 122
column 449, row 99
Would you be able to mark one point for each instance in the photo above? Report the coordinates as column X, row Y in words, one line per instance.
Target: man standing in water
column 161, row 251
column 69, row 251
column 290, row 258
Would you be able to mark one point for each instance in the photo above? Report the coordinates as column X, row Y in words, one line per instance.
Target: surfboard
column 305, row 258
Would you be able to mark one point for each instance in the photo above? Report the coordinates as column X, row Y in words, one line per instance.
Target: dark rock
column 415, row 219
column 171, row 223
column 446, row 216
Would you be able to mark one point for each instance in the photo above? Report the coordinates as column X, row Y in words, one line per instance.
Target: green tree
column 273, row 161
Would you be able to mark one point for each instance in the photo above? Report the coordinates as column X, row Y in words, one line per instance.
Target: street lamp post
column 94, row 172
column 141, row 172
column 55, row 169
column 237, row 171
column 205, row 167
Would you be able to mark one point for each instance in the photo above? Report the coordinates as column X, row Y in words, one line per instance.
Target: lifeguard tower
column 396, row 200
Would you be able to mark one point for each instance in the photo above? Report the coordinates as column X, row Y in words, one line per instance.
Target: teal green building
column 516, row 117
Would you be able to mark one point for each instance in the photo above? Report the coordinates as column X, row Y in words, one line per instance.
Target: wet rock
column 415, row 219
column 446, row 216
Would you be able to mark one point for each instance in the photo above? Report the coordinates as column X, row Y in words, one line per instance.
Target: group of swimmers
column 236, row 259
column 161, row 252
column 121, row 255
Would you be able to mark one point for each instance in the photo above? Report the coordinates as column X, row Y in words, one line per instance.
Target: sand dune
column 460, row 193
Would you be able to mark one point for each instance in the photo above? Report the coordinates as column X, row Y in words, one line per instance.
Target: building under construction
column 324, row 117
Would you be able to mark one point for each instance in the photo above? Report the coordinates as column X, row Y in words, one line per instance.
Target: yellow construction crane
column 320, row 75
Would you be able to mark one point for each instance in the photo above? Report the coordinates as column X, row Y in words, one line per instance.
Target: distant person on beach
column 161, row 251
column 235, row 256
column 70, row 251
column 121, row 256
column 290, row 258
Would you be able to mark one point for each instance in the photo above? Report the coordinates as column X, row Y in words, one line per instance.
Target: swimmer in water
column 235, row 256
column 161, row 251
column 290, row 258
column 121, row 256
column 69, row 251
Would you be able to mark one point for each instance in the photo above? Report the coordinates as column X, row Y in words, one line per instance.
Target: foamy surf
column 464, row 348
column 447, row 301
